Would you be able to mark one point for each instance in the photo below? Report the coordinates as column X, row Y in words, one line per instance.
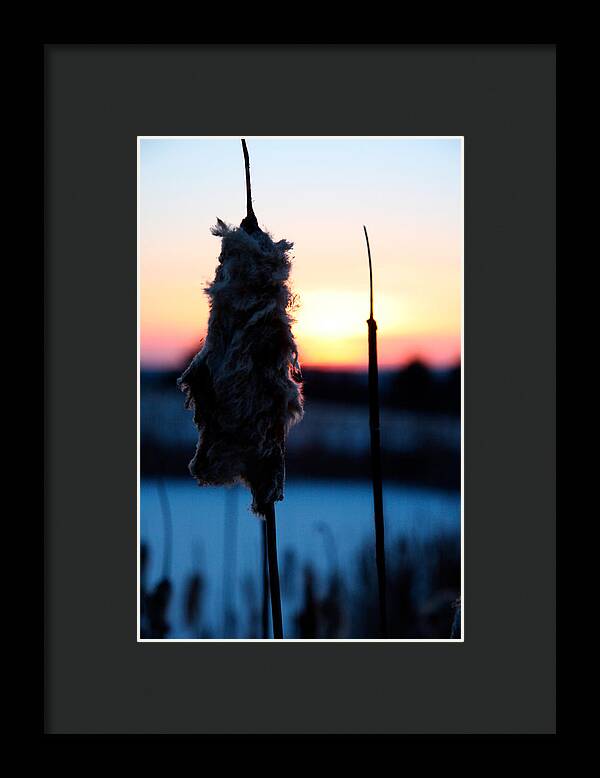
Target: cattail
column 376, row 455
column 243, row 385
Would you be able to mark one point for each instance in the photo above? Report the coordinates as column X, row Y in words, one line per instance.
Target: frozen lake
column 321, row 523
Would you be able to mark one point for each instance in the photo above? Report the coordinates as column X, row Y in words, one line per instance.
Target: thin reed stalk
column 274, row 572
column 265, row 581
column 250, row 223
column 376, row 474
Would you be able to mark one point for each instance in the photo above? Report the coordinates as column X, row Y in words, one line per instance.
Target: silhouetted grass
column 423, row 588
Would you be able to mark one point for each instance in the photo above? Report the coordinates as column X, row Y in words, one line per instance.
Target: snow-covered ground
column 320, row 522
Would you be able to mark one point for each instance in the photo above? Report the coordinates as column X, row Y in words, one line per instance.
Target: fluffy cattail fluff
column 243, row 385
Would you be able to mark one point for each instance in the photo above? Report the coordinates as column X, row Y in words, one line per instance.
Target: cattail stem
column 249, row 209
column 376, row 474
column 265, row 581
column 370, row 275
column 249, row 224
column 273, row 572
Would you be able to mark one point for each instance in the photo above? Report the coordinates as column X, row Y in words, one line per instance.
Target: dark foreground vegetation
column 423, row 587
column 421, row 446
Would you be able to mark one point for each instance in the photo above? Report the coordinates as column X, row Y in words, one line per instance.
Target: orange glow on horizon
column 329, row 327
column 172, row 352
column 408, row 192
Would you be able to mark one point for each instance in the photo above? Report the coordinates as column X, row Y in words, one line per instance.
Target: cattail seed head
column 243, row 384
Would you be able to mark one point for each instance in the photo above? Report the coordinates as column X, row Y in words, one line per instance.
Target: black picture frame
column 98, row 678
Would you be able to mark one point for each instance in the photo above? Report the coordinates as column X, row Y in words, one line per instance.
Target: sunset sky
column 318, row 194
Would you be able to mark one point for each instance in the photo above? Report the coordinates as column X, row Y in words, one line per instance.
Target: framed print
column 301, row 449
column 368, row 536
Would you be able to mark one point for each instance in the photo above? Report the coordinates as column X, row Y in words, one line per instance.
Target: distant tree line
column 414, row 387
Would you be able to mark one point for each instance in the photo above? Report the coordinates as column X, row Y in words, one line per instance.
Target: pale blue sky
column 317, row 193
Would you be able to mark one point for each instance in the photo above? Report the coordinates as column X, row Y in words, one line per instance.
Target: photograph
column 300, row 393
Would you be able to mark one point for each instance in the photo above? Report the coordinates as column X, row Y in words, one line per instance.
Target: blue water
column 324, row 523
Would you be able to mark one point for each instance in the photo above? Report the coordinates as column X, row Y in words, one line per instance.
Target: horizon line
column 164, row 368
